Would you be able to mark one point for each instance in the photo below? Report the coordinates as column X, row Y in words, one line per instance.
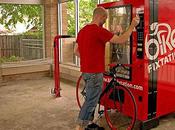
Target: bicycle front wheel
column 80, row 91
column 120, row 108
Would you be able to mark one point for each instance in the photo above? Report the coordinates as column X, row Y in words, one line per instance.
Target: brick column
column 0, row 74
column 50, row 25
column 64, row 18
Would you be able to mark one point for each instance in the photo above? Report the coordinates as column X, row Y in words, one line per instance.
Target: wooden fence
column 31, row 49
column 9, row 46
column 26, row 49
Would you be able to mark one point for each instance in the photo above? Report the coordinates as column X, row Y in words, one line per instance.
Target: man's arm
column 76, row 51
column 123, row 38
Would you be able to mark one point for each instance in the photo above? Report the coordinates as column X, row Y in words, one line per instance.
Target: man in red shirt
column 90, row 48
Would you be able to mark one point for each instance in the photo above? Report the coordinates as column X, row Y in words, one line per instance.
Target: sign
column 164, row 43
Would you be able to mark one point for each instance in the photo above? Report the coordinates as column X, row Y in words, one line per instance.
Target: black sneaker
column 94, row 126
column 101, row 128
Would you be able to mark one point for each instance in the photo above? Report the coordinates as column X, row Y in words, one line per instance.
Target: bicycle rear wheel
column 80, row 92
column 120, row 108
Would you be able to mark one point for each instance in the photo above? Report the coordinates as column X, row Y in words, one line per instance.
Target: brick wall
column 64, row 18
column 50, row 25
column 67, row 50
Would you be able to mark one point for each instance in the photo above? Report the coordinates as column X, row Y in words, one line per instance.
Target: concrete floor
column 28, row 105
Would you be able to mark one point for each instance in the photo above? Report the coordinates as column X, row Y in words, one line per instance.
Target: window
column 86, row 11
column 73, row 16
column 118, row 22
column 67, row 26
column 21, row 32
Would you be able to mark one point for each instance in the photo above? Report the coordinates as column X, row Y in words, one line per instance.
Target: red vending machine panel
column 150, row 52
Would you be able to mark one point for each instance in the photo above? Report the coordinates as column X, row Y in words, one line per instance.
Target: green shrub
column 9, row 59
column 33, row 35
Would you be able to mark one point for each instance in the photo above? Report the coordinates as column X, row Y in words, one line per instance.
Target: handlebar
column 113, row 67
column 124, row 66
column 56, row 39
column 62, row 36
column 65, row 36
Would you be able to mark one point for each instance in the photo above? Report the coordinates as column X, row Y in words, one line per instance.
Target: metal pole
column 77, row 26
column 60, row 28
column 56, row 67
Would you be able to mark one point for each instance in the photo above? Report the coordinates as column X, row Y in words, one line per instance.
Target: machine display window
column 119, row 21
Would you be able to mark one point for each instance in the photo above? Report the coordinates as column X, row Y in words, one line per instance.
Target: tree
column 86, row 11
column 11, row 14
column 71, row 18
column 85, row 14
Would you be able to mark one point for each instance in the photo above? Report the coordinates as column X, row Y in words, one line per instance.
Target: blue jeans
column 93, row 84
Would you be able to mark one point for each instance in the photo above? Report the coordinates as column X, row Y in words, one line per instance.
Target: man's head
column 100, row 15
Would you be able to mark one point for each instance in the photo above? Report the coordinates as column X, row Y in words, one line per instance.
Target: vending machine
column 150, row 52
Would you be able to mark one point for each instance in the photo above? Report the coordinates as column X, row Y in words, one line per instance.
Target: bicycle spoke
column 80, row 92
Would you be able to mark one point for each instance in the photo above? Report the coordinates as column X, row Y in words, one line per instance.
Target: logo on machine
column 124, row 83
column 162, row 44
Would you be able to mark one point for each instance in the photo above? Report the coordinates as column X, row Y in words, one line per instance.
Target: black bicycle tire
column 77, row 91
column 135, row 110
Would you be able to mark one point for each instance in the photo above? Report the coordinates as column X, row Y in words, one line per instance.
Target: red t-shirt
column 91, row 44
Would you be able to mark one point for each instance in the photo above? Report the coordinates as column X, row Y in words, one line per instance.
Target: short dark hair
column 99, row 11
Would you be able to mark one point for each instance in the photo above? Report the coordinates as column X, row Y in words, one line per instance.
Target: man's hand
column 135, row 21
column 124, row 37
column 76, row 50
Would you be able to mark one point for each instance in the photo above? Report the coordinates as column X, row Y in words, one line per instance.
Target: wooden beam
column 21, row 1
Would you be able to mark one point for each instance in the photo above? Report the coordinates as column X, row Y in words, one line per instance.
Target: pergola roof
column 28, row 1
column 21, row 1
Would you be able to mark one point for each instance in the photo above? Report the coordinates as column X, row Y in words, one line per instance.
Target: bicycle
column 116, row 99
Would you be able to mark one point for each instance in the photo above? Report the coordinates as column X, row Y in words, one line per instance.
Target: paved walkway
column 28, row 105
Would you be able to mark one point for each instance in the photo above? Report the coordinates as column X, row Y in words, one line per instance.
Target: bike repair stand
column 56, row 90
